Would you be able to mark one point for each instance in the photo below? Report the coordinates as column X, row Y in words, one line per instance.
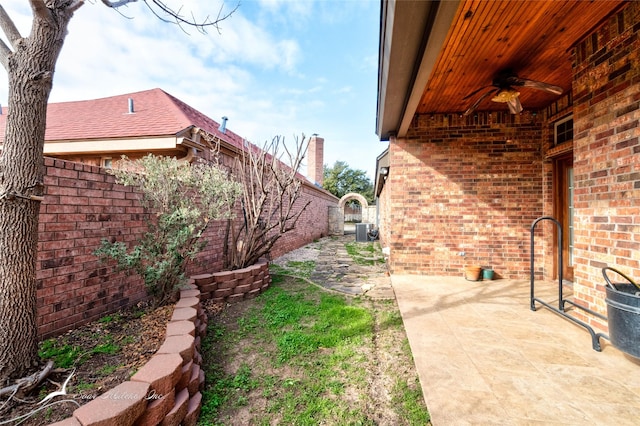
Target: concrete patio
column 485, row 358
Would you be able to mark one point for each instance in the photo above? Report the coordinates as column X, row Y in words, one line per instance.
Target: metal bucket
column 623, row 313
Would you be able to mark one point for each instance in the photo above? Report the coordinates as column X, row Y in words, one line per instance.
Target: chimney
column 223, row 125
column 131, row 110
column 315, row 162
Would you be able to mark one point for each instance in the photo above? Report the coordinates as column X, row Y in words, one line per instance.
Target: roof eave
column 411, row 37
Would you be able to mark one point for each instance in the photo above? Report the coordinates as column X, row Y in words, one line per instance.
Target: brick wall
column 606, row 92
column 82, row 205
column 463, row 184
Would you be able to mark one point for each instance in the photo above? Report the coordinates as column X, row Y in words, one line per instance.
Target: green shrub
column 181, row 199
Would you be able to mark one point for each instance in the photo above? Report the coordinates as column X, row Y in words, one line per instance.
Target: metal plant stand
column 560, row 310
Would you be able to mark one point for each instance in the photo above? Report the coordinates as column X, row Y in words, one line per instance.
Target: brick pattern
column 83, row 205
column 469, row 184
column 606, row 93
column 167, row 389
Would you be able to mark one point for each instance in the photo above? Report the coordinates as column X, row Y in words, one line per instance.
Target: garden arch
column 353, row 196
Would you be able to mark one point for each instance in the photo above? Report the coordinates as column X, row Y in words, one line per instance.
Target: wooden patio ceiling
column 532, row 38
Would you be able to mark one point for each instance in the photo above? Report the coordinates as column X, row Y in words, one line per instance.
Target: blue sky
column 277, row 67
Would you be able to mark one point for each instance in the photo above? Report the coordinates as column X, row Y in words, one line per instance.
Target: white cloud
column 252, row 71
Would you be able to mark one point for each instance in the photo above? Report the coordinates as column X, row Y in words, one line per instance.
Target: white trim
column 105, row 146
column 555, row 127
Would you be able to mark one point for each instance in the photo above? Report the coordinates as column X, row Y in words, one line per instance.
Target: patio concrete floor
column 484, row 358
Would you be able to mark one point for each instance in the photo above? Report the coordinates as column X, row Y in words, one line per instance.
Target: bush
column 182, row 199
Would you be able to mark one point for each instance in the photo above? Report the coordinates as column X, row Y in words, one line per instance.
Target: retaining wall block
column 208, row 288
column 183, row 345
column 162, row 372
column 157, row 409
column 187, row 302
column 186, row 375
column 242, row 273
column 116, row 407
column 184, row 314
column 245, row 281
column 202, row 279
column 193, row 410
column 201, row 381
column 222, row 293
column 190, row 293
column 179, row 410
column 198, row 358
column 242, row 289
column 230, row 283
column 223, row 276
column 177, row 328
column 194, row 380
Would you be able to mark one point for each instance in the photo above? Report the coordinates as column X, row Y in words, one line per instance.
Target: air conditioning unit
column 361, row 232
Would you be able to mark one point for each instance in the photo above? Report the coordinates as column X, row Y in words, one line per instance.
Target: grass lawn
column 299, row 355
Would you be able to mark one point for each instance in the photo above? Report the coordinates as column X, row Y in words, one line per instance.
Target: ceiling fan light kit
column 506, row 95
column 502, row 90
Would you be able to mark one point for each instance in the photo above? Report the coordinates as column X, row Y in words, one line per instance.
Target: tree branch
column 75, row 5
column 117, row 4
column 4, row 55
column 40, row 10
column 28, row 383
column 9, row 28
column 166, row 14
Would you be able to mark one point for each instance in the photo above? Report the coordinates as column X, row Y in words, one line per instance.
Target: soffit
column 532, row 38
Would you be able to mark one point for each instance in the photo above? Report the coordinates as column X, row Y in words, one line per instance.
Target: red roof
column 155, row 113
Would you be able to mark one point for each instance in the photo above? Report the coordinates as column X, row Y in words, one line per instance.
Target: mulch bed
column 137, row 332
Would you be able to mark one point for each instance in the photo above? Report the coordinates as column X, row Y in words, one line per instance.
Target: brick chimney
column 315, row 159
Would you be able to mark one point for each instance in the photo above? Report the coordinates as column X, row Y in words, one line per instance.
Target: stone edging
column 167, row 389
column 234, row 286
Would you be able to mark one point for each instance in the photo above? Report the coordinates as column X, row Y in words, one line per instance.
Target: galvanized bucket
column 623, row 314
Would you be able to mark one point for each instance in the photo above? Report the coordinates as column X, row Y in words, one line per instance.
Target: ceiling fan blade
column 546, row 87
column 515, row 107
column 475, row 92
column 480, row 99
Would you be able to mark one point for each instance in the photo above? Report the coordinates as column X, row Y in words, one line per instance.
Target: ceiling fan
column 503, row 89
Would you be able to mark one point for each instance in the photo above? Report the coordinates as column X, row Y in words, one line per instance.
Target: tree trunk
column 30, row 70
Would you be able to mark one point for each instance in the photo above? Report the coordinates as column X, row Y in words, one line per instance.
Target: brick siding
column 606, row 93
column 463, row 184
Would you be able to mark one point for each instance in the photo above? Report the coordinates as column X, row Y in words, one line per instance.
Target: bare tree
column 271, row 200
column 30, row 63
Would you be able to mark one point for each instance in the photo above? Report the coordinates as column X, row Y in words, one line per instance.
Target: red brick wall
column 464, row 184
column 606, row 92
column 82, row 205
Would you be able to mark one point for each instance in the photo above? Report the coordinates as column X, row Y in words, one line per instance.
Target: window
column 563, row 130
column 106, row 162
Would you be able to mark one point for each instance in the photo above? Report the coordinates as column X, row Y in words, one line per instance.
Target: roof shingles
column 155, row 113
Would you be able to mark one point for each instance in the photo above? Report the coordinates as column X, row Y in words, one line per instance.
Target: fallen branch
column 26, row 384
